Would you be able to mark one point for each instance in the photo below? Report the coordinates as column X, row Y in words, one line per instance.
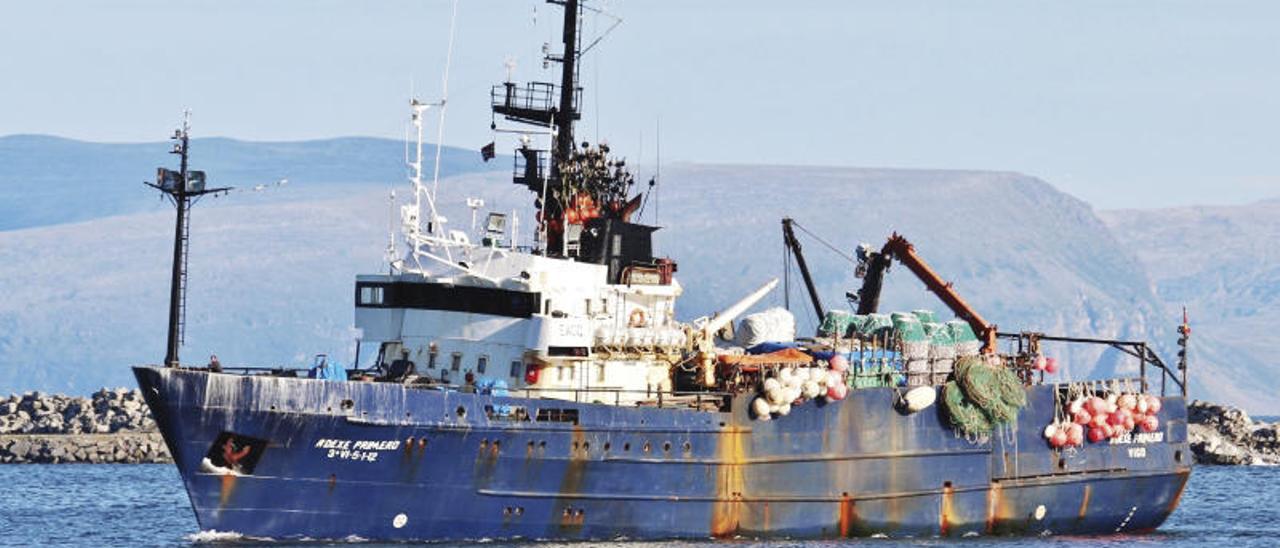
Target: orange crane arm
column 899, row 248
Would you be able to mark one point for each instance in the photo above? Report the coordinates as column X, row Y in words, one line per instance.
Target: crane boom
column 789, row 238
column 899, row 248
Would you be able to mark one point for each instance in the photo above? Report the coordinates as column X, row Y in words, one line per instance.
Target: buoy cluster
column 1104, row 418
column 1046, row 364
column 796, row 385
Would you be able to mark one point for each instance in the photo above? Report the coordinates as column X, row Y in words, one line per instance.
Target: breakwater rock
column 110, row 426
column 119, row 448
column 1221, row 434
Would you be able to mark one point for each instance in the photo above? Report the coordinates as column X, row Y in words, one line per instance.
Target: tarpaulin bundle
column 786, row 356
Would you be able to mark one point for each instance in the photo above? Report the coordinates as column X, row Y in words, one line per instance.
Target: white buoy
column 810, row 390
column 777, row 395
column 784, row 409
column 771, row 384
column 919, row 398
column 761, row 408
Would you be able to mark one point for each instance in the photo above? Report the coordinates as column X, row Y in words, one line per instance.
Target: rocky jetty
column 109, row 426
column 1221, row 434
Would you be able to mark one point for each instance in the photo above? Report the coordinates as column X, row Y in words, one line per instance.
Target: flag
column 487, row 152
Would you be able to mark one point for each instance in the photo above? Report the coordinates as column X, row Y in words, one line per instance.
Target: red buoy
column 1097, row 434
column 1059, row 438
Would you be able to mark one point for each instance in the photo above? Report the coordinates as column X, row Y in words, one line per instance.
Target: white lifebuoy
column 637, row 318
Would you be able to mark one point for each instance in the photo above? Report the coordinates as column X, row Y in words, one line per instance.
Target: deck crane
column 872, row 266
column 793, row 246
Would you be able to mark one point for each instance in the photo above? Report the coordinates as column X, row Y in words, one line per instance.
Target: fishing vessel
column 550, row 391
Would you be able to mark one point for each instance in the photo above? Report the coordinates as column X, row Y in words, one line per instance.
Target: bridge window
column 431, row 358
column 371, row 295
column 482, row 363
column 516, row 369
column 456, row 364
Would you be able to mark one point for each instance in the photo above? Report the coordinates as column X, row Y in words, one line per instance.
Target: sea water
column 145, row 505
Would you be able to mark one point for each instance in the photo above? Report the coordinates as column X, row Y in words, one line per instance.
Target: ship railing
column 1027, row 344
column 617, row 396
column 533, row 103
column 620, row 396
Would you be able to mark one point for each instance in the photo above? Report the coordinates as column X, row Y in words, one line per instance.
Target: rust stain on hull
column 726, row 513
column 569, row 517
column 946, row 515
column 1084, row 502
column 228, row 487
column 848, row 516
column 994, row 502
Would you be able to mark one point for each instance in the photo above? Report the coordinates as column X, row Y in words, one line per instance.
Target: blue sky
column 1122, row 103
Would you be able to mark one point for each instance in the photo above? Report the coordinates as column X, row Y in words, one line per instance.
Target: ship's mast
column 184, row 188
column 568, row 85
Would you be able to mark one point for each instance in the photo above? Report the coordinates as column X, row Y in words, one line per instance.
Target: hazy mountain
column 50, row 180
column 271, row 277
column 1223, row 264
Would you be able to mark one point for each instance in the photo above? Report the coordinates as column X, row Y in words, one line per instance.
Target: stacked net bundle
column 925, row 316
column 838, row 323
column 872, row 325
column 963, row 414
column 966, row 342
column 915, row 347
column 942, row 351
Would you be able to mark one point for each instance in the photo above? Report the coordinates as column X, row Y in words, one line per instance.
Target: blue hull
column 382, row 461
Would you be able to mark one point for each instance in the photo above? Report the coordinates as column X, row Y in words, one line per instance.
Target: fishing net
column 962, row 413
column 979, row 383
column 994, row 390
column 1010, row 388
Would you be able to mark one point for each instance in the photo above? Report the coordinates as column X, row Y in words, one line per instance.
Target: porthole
column 461, row 412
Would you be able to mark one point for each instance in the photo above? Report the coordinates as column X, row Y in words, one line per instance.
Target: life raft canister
column 637, row 318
